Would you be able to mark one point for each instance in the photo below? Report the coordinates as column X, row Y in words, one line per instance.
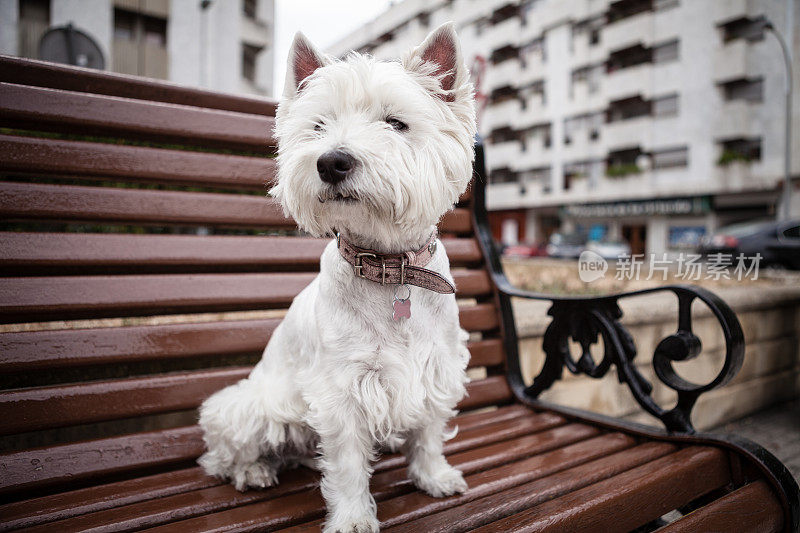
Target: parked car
column 609, row 248
column 777, row 242
column 525, row 250
column 566, row 246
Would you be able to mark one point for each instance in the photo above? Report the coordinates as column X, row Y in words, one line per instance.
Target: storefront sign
column 667, row 206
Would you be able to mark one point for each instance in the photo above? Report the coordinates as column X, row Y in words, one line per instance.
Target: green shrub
column 731, row 156
column 622, row 169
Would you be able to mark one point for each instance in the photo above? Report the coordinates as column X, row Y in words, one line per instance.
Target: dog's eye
column 317, row 127
column 397, row 124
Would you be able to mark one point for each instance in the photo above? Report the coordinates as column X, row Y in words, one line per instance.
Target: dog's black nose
column 334, row 166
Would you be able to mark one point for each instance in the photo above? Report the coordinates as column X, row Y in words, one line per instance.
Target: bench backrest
column 144, row 268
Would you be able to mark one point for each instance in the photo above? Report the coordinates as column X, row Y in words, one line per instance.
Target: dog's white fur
column 339, row 377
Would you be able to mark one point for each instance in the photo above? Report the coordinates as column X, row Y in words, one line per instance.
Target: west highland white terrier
column 370, row 354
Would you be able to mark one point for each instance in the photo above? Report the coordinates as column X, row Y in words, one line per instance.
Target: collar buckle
column 359, row 264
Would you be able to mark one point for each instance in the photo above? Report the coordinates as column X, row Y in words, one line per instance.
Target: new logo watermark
column 591, row 266
column 686, row 267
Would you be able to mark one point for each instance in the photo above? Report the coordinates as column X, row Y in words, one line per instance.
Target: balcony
column 502, row 154
column 735, row 120
column 730, row 61
column 500, row 115
column 629, row 81
column 532, row 71
column 255, row 32
column 629, row 31
column 504, row 74
column 505, row 33
column 630, row 132
column 472, row 10
column 534, row 113
column 729, row 10
column 536, row 155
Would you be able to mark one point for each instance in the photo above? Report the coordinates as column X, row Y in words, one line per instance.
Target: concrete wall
column 9, row 15
column 770, row 319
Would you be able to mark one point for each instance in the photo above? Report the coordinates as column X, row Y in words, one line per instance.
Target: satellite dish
column 65, row 44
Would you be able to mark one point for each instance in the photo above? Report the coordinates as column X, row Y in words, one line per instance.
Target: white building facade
column 653, row 120
column 222, row 45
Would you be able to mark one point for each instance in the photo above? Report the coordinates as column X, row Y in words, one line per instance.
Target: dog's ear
column 304, row 59
column 439, row 56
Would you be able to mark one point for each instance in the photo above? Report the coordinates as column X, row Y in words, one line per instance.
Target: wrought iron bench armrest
column 585, row 319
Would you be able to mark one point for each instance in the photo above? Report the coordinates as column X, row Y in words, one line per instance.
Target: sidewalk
column 776, row 428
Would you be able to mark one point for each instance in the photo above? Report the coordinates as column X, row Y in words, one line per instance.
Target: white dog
column 376, row 151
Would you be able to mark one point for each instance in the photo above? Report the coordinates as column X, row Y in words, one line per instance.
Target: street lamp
column 787, row 155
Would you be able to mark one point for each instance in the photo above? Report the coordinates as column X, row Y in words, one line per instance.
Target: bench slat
column 296, row 507
column 39, row 156
column 107, row 204
column 24, row 251
column 58, row 110
column 528, row 488
column 100, row 497
column 104, row 296
column 395, row 511
column 75, row 203
column 384, row 485
column 36, row 408
column 66, row 463
column 70, row 78
column 31, row 350
column 750, row 509
column 645, row 493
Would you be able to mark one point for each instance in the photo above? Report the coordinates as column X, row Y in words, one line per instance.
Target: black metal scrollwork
column 587, row 320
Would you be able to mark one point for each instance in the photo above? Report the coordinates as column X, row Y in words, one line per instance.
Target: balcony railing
column 730, row 61
column 629, row 31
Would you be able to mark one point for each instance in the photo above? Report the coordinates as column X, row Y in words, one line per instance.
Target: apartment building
column 653, row 120
column 223, row 45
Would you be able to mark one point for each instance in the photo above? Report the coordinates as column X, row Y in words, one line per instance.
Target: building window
column 660, row 5
column 504, row 54
column 503, row 175
column 744, row 89
column 628, row 108
column 140, row 44
column 503, row 134
column 627, row 156
column 670, row 158
column 503, row 94
column 249, row 57
column 424, row 19
column 743, row 28
column 535, row 47
column 504, row 12
column 666, row 52
column 34, row 20
column 666, row 106
column 740, row 149
column 250, row 8
column 622, row 9
column 629, row 57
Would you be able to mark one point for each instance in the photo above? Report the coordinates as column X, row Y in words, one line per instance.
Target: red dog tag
column 402, row 309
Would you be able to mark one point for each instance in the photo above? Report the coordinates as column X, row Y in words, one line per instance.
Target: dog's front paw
column 362, row 524
column 443, row 482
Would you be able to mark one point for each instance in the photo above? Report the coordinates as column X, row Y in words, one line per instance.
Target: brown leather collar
column 393, row 269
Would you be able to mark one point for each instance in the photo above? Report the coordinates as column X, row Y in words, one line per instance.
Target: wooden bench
column 149, row 269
